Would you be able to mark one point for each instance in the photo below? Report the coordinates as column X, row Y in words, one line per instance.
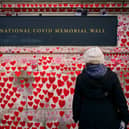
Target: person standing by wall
column 98, row 101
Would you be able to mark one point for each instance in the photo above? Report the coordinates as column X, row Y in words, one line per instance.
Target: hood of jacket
column 95, row 81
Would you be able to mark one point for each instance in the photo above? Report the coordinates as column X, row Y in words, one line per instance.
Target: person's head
column 94, row 55
column 84, row 12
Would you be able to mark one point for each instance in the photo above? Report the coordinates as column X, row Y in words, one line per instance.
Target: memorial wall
column 37, row 82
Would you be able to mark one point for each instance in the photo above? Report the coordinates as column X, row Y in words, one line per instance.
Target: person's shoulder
column 111, row 73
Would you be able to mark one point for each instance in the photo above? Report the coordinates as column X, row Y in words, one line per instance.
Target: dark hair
column 84, row 12
column 79, row 10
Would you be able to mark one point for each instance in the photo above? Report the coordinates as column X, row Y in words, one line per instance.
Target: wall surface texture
column 37, row 83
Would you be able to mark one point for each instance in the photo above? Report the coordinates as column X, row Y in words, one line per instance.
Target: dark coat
column 96, row 102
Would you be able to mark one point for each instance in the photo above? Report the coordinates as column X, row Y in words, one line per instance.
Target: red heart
column 91, row 5
column 2, row 73
column 4, row 5
column 18, row 95
column 34, row 66
column 22, row 123
column 44, row 79
column 69, row 84
column 41, row 127
column 14, row 99
column 5, row 79
column 34, row 85
column 127, row 33
column 73, row 78
column 72, row 91
column 35, row 73
column 71, row 5
column 16, row 113
column 11, row 79
column 45, row 91
column 3, row 64
column 56, row 124
column 61, row 113
column 37, row 124
column 30, row 97
column 40, row 85
column 123, row 40
column 60, row 5
column 48, row 85
column 107, row 5
column 53, row 106
column 41, row 105
column 7, row 68
column 13, row 62
column 54, row 5
column 30, row 118
column 17, row 73
column 49, row 124
column 50, row 94
column 66, row 92
column 113, row 5
column 29, row 124
column 55, row 99
column 42, row 73
column 128, row 43
column 9, row 5
column 58, row 91
column 37, row 79
column 61, row 103
column 41, row 96
column 65, row 4
column 36, row 101
column 65, row 78
column 96, row 5
column 60, row 83
column 1, row 55
column 9, row 122
column 15, row 123
column 35, row 93
column 38, row 90
column 2, row 84
column 45, row 67
column 47, row 99
column 73, row 125
column 5, row 90
column 6, row 116
column 27, row 85
column 8, row 97
column 13, row 127
column 125, row 4
column 3, row 106
column 57, row 67
column 58, row 75
column 35, row 107
column 30, row 104
column 68, row 126
column 12, row 118
column 23, row 103
column 20, row 109
column 54, row 86
column 3, row 121
column 118, row 4
column 34, row 128
column 52, row 79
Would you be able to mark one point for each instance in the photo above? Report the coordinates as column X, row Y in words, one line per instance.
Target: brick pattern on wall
column 37, row 83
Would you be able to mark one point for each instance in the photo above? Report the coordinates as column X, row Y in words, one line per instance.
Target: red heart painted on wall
column 41, row 105
column 61, row 103
column 49, row 124
column 61, row 113
column 60, row 83
column 55, row 99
